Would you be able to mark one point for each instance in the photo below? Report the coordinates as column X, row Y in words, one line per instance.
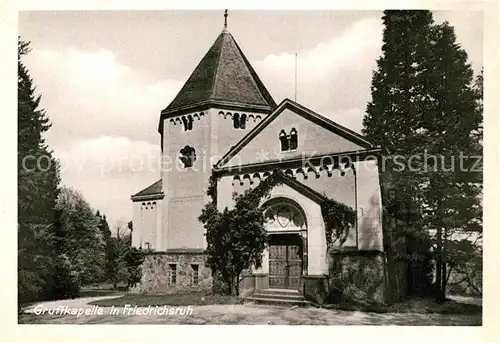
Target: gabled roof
column 306, row 113
column 307, row 191
column 223, row 76
column 153, row 191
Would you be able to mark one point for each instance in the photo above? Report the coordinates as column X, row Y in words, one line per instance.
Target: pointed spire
column 223, row 76
column 225, row 20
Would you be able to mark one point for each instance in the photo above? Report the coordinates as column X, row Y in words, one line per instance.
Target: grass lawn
column 420, row 306
column 99, row 293
column 177, row 299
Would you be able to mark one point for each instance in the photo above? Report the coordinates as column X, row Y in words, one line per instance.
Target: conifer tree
column 38, row 181
column 425, row 109
column 453, row 128
column 390, row 122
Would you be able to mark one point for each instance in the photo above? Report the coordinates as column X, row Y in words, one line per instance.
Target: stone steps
column 278, row 297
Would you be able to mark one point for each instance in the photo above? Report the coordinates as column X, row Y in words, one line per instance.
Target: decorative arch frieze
column 240, row 119
column 247, row 177
column 289, row 173
column 256, row 179
column 236, row 179
column 309, row 173
column 187, row 120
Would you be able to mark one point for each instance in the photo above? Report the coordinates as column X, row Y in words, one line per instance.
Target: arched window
column 236, row 120
column 293, row 139
column 243, row 120
column 185, row 122
column 284, row 141
column 190, row 123
column 187, row 156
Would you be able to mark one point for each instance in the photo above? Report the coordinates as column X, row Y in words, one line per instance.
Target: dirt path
column 239, row 314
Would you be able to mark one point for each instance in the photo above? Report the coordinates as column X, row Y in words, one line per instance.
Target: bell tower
column 221, row 101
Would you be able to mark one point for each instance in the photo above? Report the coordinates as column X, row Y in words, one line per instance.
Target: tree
column 38, row 182
column 465, row 261
column 424, row 105
column 391, row 122
column 84, row 245
column 236, row 237
column 126, row 260
column 134, row 258
column 453, row 190
column 109, row 247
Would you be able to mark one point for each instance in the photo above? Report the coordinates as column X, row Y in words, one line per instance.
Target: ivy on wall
column 253, row 197
column 236, row 237
column 212, row 188
column 338, row 219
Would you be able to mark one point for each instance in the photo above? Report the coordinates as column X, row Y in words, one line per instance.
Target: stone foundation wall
column 353, row 276
column 315, row 288
column 357, row 276
column 156, row 273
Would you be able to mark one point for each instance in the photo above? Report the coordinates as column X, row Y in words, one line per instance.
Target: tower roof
column 223, row 77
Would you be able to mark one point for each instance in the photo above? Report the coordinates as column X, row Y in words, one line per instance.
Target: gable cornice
column 316, row 160
column 304, row 112
column 155, row 196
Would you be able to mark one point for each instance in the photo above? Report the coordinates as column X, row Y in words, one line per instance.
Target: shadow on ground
column 250, row 314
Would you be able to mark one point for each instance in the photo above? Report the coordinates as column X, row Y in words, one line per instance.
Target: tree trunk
column 439, row 265
column 443, row 258
column 393, row 286
column 443, row 278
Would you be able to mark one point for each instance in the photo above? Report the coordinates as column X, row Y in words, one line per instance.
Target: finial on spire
column 225, row 19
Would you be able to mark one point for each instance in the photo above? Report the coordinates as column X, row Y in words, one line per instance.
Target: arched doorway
column 285, row 261
column 287, row 251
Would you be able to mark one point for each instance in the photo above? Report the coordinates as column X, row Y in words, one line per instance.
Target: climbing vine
column 253, row 197
column 212, row 187
column 237, row 237
column 338, row 219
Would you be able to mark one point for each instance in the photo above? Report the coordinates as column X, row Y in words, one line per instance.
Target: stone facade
column 236, row 132
column 357, row 276
column 353, row 276
column 157, row 278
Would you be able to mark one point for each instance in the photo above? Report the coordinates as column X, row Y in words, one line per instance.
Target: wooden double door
column 285, row 261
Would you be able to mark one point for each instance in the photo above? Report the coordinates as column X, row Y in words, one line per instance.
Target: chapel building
column 224, row 122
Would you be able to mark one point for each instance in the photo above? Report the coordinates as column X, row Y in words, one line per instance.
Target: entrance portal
column 285, row 261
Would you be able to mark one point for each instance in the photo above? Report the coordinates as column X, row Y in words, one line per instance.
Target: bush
column 134, row 259
column 64, row 283
column 356, row 279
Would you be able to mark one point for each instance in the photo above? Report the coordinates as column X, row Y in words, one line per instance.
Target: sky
column 105, row 76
